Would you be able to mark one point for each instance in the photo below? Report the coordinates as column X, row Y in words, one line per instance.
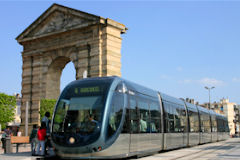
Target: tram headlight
column 71, row 140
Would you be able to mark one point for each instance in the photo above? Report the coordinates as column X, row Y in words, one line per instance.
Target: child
column 33, row 139
column 41, row 139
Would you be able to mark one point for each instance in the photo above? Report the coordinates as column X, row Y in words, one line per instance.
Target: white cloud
column 204, row 81
column 235, row 79
column 211, row 82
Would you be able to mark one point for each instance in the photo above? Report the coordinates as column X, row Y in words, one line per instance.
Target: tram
column 109, row 117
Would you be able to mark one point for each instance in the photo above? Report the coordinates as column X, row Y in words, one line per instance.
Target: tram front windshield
column 80, row 110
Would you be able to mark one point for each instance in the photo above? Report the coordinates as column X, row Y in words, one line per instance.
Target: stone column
column 30, row 88
column 111, row 48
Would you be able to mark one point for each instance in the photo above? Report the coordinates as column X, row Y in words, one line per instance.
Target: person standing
column 143, row 125
column 8, row 132
column 41, row 134
column 34, row 139
column 46, row 120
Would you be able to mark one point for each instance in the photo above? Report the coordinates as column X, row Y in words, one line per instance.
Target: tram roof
column 191, row 106
column 140, row 89
column 203, row 109
column 171, row 99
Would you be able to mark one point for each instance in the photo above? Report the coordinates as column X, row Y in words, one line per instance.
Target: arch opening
column 54, row 73
column 68, row 75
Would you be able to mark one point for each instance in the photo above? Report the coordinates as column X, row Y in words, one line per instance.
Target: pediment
column 57, row 19
column 57, row 22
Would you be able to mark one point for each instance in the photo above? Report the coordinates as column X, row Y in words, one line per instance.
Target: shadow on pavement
column 219, row 148
column 19, row 154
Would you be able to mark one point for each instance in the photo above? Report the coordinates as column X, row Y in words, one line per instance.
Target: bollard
column 8, row 145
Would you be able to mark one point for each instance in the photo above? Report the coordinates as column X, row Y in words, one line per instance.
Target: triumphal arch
column 59, row 36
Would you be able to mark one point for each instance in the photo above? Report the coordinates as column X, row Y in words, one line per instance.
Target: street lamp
column 209, row 88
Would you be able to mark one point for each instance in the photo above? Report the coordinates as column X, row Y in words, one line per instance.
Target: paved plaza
column 229, row 150
column 224, row 150
column 23, row 153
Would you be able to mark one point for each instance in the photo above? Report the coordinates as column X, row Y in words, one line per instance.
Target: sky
column 175, row 47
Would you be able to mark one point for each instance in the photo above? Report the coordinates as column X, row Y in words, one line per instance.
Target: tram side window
column 194, row 121
column 205, row 122
column 208, row 123
column 155, row 123
column 220, row 125
column 126, row 125
column 115, row 115
column 183, row 119
column 226, row 128
column 177, row 120
column 171, row 117
column 214, row 124
column 175, row 117
column 168, row 117
column 144, row 115
column 223, row 125
column 133, row 115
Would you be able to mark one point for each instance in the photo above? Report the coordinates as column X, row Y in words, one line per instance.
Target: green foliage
column 7, row 109
column 47, row 105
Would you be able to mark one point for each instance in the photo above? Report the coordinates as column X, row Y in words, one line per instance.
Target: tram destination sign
column 94, row 89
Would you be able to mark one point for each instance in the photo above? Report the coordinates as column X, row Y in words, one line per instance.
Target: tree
column 7, row 108
column 47, row 105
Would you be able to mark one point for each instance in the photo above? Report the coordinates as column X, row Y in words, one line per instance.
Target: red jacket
column 41, row 134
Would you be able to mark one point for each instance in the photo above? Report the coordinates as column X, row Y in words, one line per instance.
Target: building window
column 221, row 108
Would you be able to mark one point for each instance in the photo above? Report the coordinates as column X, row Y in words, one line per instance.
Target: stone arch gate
column 61, row 35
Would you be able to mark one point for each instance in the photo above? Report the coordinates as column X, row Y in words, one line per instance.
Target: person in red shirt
column 41, row 134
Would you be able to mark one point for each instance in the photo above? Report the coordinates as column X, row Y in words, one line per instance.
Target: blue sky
column 175, row 47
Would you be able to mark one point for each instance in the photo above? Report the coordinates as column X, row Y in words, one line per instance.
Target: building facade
column 229, row 109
